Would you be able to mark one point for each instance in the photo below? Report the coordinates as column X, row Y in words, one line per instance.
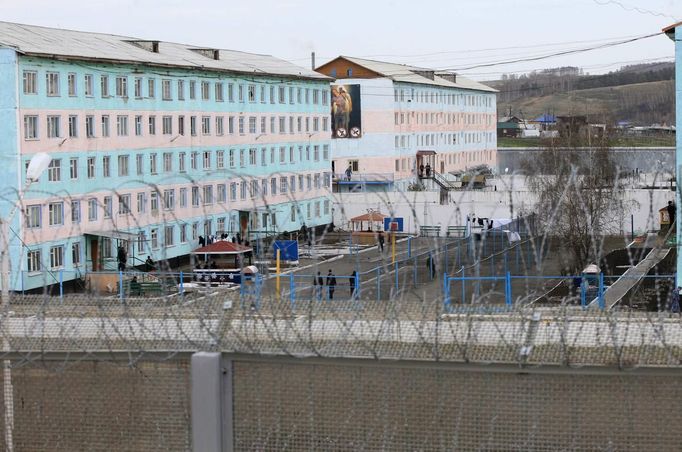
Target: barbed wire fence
column 110, row 366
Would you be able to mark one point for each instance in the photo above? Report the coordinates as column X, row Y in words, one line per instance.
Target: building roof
column 371, row 216
column 545, row 118
column 223, row 247
column 412, row 74
column 78, row 45
column 508, row 125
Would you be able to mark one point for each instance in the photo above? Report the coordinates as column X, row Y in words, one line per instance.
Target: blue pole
column 508, row 287
column 601, row 291
column 583, row 295
column 446, row 293
column 356, row 293
column 396, row 277
column 506, row 269
column 182, row 283
column 120, row 285
column 61, row 284
column 409, row 247
column 292, row 290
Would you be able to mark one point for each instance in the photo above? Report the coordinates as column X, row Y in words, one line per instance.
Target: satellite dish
column 37, row 165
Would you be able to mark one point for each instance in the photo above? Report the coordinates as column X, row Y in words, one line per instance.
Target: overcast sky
column 453, row 34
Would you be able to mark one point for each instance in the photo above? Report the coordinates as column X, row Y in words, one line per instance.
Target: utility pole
column 312, row 60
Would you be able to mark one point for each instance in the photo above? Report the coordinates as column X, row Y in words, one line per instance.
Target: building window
column 76, row 254
column 252, row 93
column 138, row 125
column 192, row 89
column 33, row 214
column 183, row 197
column 233, row 191
column 154, row 201
column 75, row 212
column 241, row 125
column 281, row 95
column 273, row 186
column 52, row 79
column 122, row 86
column 181, row 90
column 53, row 126
column 33, row 261
column 221, row 193
column 56, row 257
column 104, row 85
column 207, row 160
column 181, row 162
column 152, row 125
column 263, row 128
column 166, row 90
column 141, row 202
column 138, row 87
column 151, row 88
column 106, row 166
column 54, row 170
column 252, row 156
column 168, row 239
column 91, row 167
column 152, row 163
column 105, row 125
column 71, row 82
column 231, row 157
column 30, row 127
column 230, row 92
column 240, row 90
column 108, row 206
column 252, row 125
column 208, row 194
column 167, row 162
column 92, row 209
column 30, row 82
column 205, row 91
column 73, row 167
column 167, row 125
column 219, row 92
column 194, row 160
column 220, row 159
column 124, row 204
column 193, row 126
column 155, row 238
column 139, row 164
column 181, row 125
column 195, row 196
column 219, row 129
column 90, row 126
column 123, row 165
column 89, row 85
column 205, row 125
column 122, row 126
column 55, row 212
column 169, row 199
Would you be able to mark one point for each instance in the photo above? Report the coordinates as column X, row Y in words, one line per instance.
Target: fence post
column 356, row 292
column 61, row 285
column 583, row 295
column 409, row 247
column 120, row 285
column 601, row 291
column 378, row 283
column 507, row 284
column 464, row 289
column 182, row 283
column 211, row 408
column 397, row 283
column 446, row 293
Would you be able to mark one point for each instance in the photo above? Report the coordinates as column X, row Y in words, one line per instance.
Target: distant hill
column 642, row 94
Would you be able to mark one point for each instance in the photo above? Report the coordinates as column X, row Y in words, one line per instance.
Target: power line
column 630, row 8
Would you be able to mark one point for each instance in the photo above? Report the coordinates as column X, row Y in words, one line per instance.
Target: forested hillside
column 642, row 94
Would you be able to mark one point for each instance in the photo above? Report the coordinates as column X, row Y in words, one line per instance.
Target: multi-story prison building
column 390, row 119
column 153, row 144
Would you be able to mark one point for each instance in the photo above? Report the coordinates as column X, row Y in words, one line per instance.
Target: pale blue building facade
column 153, row 145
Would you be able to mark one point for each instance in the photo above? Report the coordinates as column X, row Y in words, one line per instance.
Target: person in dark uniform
column 381, row 241
column 672, row 211
column 331, row 284
column 353, row 276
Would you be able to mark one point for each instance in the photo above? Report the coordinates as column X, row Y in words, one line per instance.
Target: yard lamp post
column 38, row 164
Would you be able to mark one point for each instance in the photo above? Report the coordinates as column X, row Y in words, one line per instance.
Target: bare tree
column 580, row 199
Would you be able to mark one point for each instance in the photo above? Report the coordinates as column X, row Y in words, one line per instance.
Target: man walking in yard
column 381, row 241
column 331, row 284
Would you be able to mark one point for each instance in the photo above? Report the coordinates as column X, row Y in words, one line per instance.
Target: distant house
column 508, row 129
column 515, row 119
column 571, row 125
